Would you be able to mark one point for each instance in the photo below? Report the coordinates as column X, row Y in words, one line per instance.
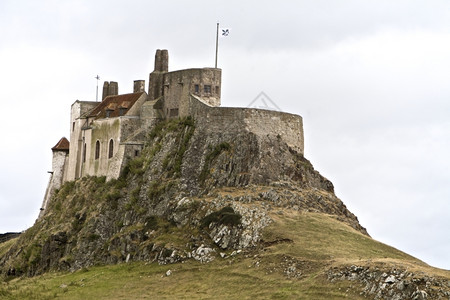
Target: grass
column 343, row 242
column 4, row 247
column 318, row 242
column 222, row 279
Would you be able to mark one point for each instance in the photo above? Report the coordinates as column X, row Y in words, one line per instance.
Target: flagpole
column 96, row 94
column 217, row 43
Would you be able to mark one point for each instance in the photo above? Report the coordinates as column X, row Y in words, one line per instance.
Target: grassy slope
column 319, row 242
column 4, row 247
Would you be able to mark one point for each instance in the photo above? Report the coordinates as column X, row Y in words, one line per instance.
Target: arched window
column 97, row 150
column 111, row 148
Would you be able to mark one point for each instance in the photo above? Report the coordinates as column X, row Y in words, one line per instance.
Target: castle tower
column 155, row 86
column 59, row 163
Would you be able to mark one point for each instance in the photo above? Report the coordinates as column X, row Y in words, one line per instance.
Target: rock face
column 191, row 194
column 395, row 284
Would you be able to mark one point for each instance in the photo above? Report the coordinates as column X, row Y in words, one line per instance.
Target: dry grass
column 4, row 247
column 321, row 237
column 318, row 243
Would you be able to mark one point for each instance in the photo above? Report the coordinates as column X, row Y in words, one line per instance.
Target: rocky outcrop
column 392, row 283
column 191, row 194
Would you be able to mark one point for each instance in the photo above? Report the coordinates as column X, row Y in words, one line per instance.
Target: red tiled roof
column 62, row 145
column 113, row 104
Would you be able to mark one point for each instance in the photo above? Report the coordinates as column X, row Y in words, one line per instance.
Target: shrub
column 93, row 237
column 113, row 195
column 157, row 130
column 225, row 216
column 136, row 166
column 151, row 223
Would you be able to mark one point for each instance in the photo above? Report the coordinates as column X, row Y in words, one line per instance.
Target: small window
column 73, row 126
column 84, row 152
column 97, row 150
column 111, row 148
column 196, row 89
column 207, row 89
column 136, row 152
column 122, row 111
column 217, row 90
column 108, row 113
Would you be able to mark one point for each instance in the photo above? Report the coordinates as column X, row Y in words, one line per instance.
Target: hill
column 206, row 215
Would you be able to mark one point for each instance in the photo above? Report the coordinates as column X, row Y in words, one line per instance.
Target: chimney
column 139, row 86
column 105, row 90
column 110, row 89
column 113, row 89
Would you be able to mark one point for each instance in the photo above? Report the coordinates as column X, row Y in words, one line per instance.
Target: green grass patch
column 221, row 279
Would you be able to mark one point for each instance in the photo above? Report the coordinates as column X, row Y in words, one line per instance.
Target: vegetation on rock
column 273, row 226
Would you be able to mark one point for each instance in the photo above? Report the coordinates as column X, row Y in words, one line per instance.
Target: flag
column 224, row 32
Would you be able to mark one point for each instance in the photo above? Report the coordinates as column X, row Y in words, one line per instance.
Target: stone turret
column 155, row 86
column 59, row 162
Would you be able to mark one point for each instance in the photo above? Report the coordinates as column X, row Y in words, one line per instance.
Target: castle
column 105, row 135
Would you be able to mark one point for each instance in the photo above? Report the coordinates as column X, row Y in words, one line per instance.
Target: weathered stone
column 390, row 279
column 203, row 254
column 385, row 285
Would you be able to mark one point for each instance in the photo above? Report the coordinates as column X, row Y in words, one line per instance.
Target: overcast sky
column 371, row 80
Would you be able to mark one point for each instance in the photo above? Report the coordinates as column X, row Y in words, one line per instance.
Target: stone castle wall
column 286, row 126
column 104, row 131
column 263, row 123
column 178, row 85
column 78, row 109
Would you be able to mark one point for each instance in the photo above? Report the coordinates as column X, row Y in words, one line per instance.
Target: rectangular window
column 196, row 89
column 217, row 90
column 73, row 126
column 207, row 89
column 136, row 152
